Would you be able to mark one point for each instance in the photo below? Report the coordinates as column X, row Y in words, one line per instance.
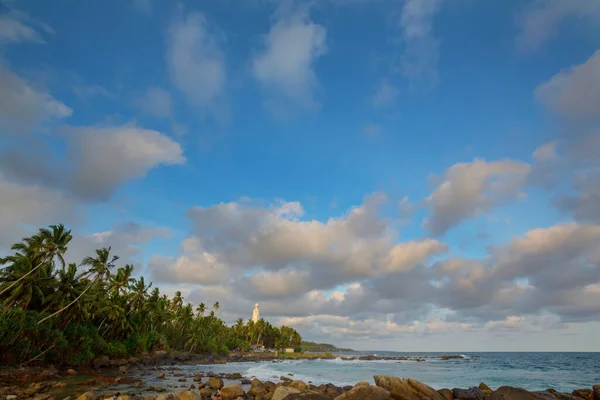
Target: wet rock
column 585, row 394
column 450, row 357
column 205, row 393
column 197, row 378
column 159, row 389
column 365, row 391
column 215, row 383
column 285, row 379
column 232, row 392
column 181, row 380
column 407, row 389
column 283, row 391
column 473, row 393
column 234, row 377
column 246, row 381
column 123, row 369
column 187, row 395
column 347, row 388
column 71, row 372
column 160, row 376
column 138, row 385
column 596, row 390
column 447, row 393
column 60, row 385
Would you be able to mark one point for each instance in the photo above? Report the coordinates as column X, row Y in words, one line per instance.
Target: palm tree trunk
column 71, row 303
column 23, row 277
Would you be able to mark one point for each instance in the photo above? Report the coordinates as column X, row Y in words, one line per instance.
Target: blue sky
column 309, row 153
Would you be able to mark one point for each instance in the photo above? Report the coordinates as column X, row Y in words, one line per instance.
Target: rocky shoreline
column 153, row 377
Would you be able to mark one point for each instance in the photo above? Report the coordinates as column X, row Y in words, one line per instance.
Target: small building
column 289, row 350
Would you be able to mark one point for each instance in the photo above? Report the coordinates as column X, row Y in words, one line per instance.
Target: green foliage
column 51, row 312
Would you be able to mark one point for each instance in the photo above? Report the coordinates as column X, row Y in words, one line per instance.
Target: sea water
column 531, row 371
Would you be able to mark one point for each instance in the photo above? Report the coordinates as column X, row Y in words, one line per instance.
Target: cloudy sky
column 379, row 174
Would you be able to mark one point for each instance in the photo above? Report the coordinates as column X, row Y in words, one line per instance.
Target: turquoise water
column 532, row 371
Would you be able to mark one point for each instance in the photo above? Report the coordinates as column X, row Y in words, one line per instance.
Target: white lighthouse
column 255, row 313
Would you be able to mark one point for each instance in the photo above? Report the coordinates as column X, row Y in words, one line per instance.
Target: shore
column 158, row 376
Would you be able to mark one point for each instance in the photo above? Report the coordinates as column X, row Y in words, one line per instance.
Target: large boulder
column 447, row 393
column 101, row 362
column 510, row 393
column 283, row 391
column 473, row 393
column 215, row 383
column 407, row 389
column 187, row 395
column 308, row 395
column 232, row 392
column 299, row 385
column 50, row 371
column 596, row 390
column 485, row 388
column 365, row 391
column 87, row 396
column 161, row 375
column 585, row 394
column 71, row 372
column 205, row 393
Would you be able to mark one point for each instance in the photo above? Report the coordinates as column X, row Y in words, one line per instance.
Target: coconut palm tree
column 100, row 266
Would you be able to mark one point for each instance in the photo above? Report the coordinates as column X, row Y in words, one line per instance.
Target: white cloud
column 419, row 59
column 574, row 93
column 545, row 152
column 24, row 107
column 155, row 101
column 286, row 65
column 23, row 206
column 405, row 256
column 542, row 19
column 105, row 157
column 469, row 189
column 385, row 95
column 18, row 27
column 196, row 62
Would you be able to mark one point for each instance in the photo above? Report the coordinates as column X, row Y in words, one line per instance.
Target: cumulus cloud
column 471, row 188
column 124, row 239
column 196, row 61
column 23, row 107
column 584, row 204
column 575, row 92
column 285, row 66
column 24, row 208
column 154, row 101
column 105, row 157
column 418, row 62
column 542, row 18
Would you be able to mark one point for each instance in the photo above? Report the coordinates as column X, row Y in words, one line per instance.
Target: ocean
column 532, row 371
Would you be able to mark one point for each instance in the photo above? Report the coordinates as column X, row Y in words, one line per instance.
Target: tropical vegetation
column 51, row 311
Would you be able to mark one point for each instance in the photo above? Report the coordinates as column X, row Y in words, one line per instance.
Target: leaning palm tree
column 100, row 266
column 43, row 247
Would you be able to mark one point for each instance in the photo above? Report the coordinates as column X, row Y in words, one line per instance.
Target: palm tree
column 100, row 266
column 201, row 309
column 216, row 306
column 69, row 287
column 43, row 247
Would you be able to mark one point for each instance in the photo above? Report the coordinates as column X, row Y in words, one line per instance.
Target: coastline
column 162, row 375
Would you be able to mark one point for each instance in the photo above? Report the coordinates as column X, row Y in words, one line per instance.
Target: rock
column 160, row 397
column 160, row 376
column 44, row 396
column 11, row 397
column 160, row 353
column 123, row 368
column 473, row 393
column 159, row 389
column 87, row 396
column 126, row 397
column 50, row 371
column 309, row 395
column 407, row 389
column 447, row 393
column 510, row 393
column 596, row 390
column 101, row 362
column 283, row 391
column 60, row 385
column 246, row 381
column 585, row 394
column 231, row 392
column 181, row 380
column 215, row 383
column 71, row 372
column 284, row 379
column 197, row 378
column 332, row 390
column 205, row 393
column 299, row 385
column 365, row 391
column 485, row 388
column 187, row 395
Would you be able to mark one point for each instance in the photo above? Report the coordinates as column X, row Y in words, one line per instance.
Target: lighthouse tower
column 255, row 314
